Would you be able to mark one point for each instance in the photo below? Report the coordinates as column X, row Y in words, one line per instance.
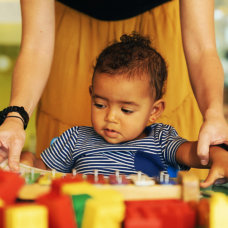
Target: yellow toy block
column 101, row 194
column 78, row 188
column 1, row 203
column 103, row 214
column 218, row 211
column 45, row 179
column 56, row 175
column 108, row 195
column 26, row 216
column 105, row 209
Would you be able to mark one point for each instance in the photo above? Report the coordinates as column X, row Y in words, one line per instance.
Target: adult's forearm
column 207, row 79
column 29, row 78
column 205, row 69
column 33, row 64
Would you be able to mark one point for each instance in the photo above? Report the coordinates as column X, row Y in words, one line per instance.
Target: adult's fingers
column 3, row 156
column 3, row 151
column 12, row 138
column 213, row 175
column 14, row 154
column 203, row 148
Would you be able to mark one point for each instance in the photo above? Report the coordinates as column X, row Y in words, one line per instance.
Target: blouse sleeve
column 59, row 155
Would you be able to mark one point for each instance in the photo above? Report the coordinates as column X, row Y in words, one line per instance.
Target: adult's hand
column 30, row 73
column 218, row 172
column 12, row 138
column 205, row 71
column 214, row 131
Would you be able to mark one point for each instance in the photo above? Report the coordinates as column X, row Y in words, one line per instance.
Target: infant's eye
column 99, row 105
column 127, row 111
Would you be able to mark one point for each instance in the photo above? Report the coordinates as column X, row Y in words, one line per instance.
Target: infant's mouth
column 110, row 130
column 110, row 133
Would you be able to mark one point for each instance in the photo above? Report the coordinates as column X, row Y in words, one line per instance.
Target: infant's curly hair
column 134, row 56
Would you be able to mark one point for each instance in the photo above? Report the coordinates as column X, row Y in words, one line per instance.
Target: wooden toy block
column 1, row 212
column 10, row 184
column 148, row 190
column 203, row 209
column 26, row 216
column 57, row 184
column 132, row 192
column 104, row 213
column 190, row 186
column 104, row 209
column 108, row 195
column 187, row 188
column 218, row 211
column 100, row 193
column 33, row 191
column 45, row 179
column 60, row 210
column 159, row 214
column 79, row 202
column 1, row 203
column 78, row 188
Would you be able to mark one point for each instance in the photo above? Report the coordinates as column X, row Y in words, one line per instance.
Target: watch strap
column 20, row 110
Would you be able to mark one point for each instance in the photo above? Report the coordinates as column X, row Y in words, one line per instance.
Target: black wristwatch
column 20, row 110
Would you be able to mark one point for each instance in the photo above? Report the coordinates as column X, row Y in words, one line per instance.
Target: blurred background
column 10, row 36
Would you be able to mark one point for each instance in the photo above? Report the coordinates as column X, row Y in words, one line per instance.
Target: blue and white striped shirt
column 81, row 148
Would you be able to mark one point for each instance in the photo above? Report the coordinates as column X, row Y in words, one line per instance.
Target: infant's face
column 120, row 107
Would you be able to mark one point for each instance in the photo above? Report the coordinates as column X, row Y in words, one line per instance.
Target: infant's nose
column 111, row 116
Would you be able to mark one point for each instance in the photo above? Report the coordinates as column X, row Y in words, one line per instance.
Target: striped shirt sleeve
column 59, row 155
column 170, row 142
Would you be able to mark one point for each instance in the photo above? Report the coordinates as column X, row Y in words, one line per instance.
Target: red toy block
column 203, row 209
column 159, row 214
column 60, row 210
column 10, row 184
column 1, row 217
column 57, row 183
column 141, row 217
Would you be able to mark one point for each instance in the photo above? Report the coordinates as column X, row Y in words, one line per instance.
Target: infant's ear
column 157, row 110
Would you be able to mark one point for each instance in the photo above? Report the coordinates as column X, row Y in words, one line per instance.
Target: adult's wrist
column 216, row 112
column 14, row 123
column 14, row 112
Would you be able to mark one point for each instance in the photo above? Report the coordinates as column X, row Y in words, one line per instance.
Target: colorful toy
column 26, row 216
column 95, row 201
column 10, row 183
column 218, row 211
column 60, row 210
column 159, row 214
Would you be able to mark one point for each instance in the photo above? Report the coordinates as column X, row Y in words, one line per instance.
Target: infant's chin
column 114, row 142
